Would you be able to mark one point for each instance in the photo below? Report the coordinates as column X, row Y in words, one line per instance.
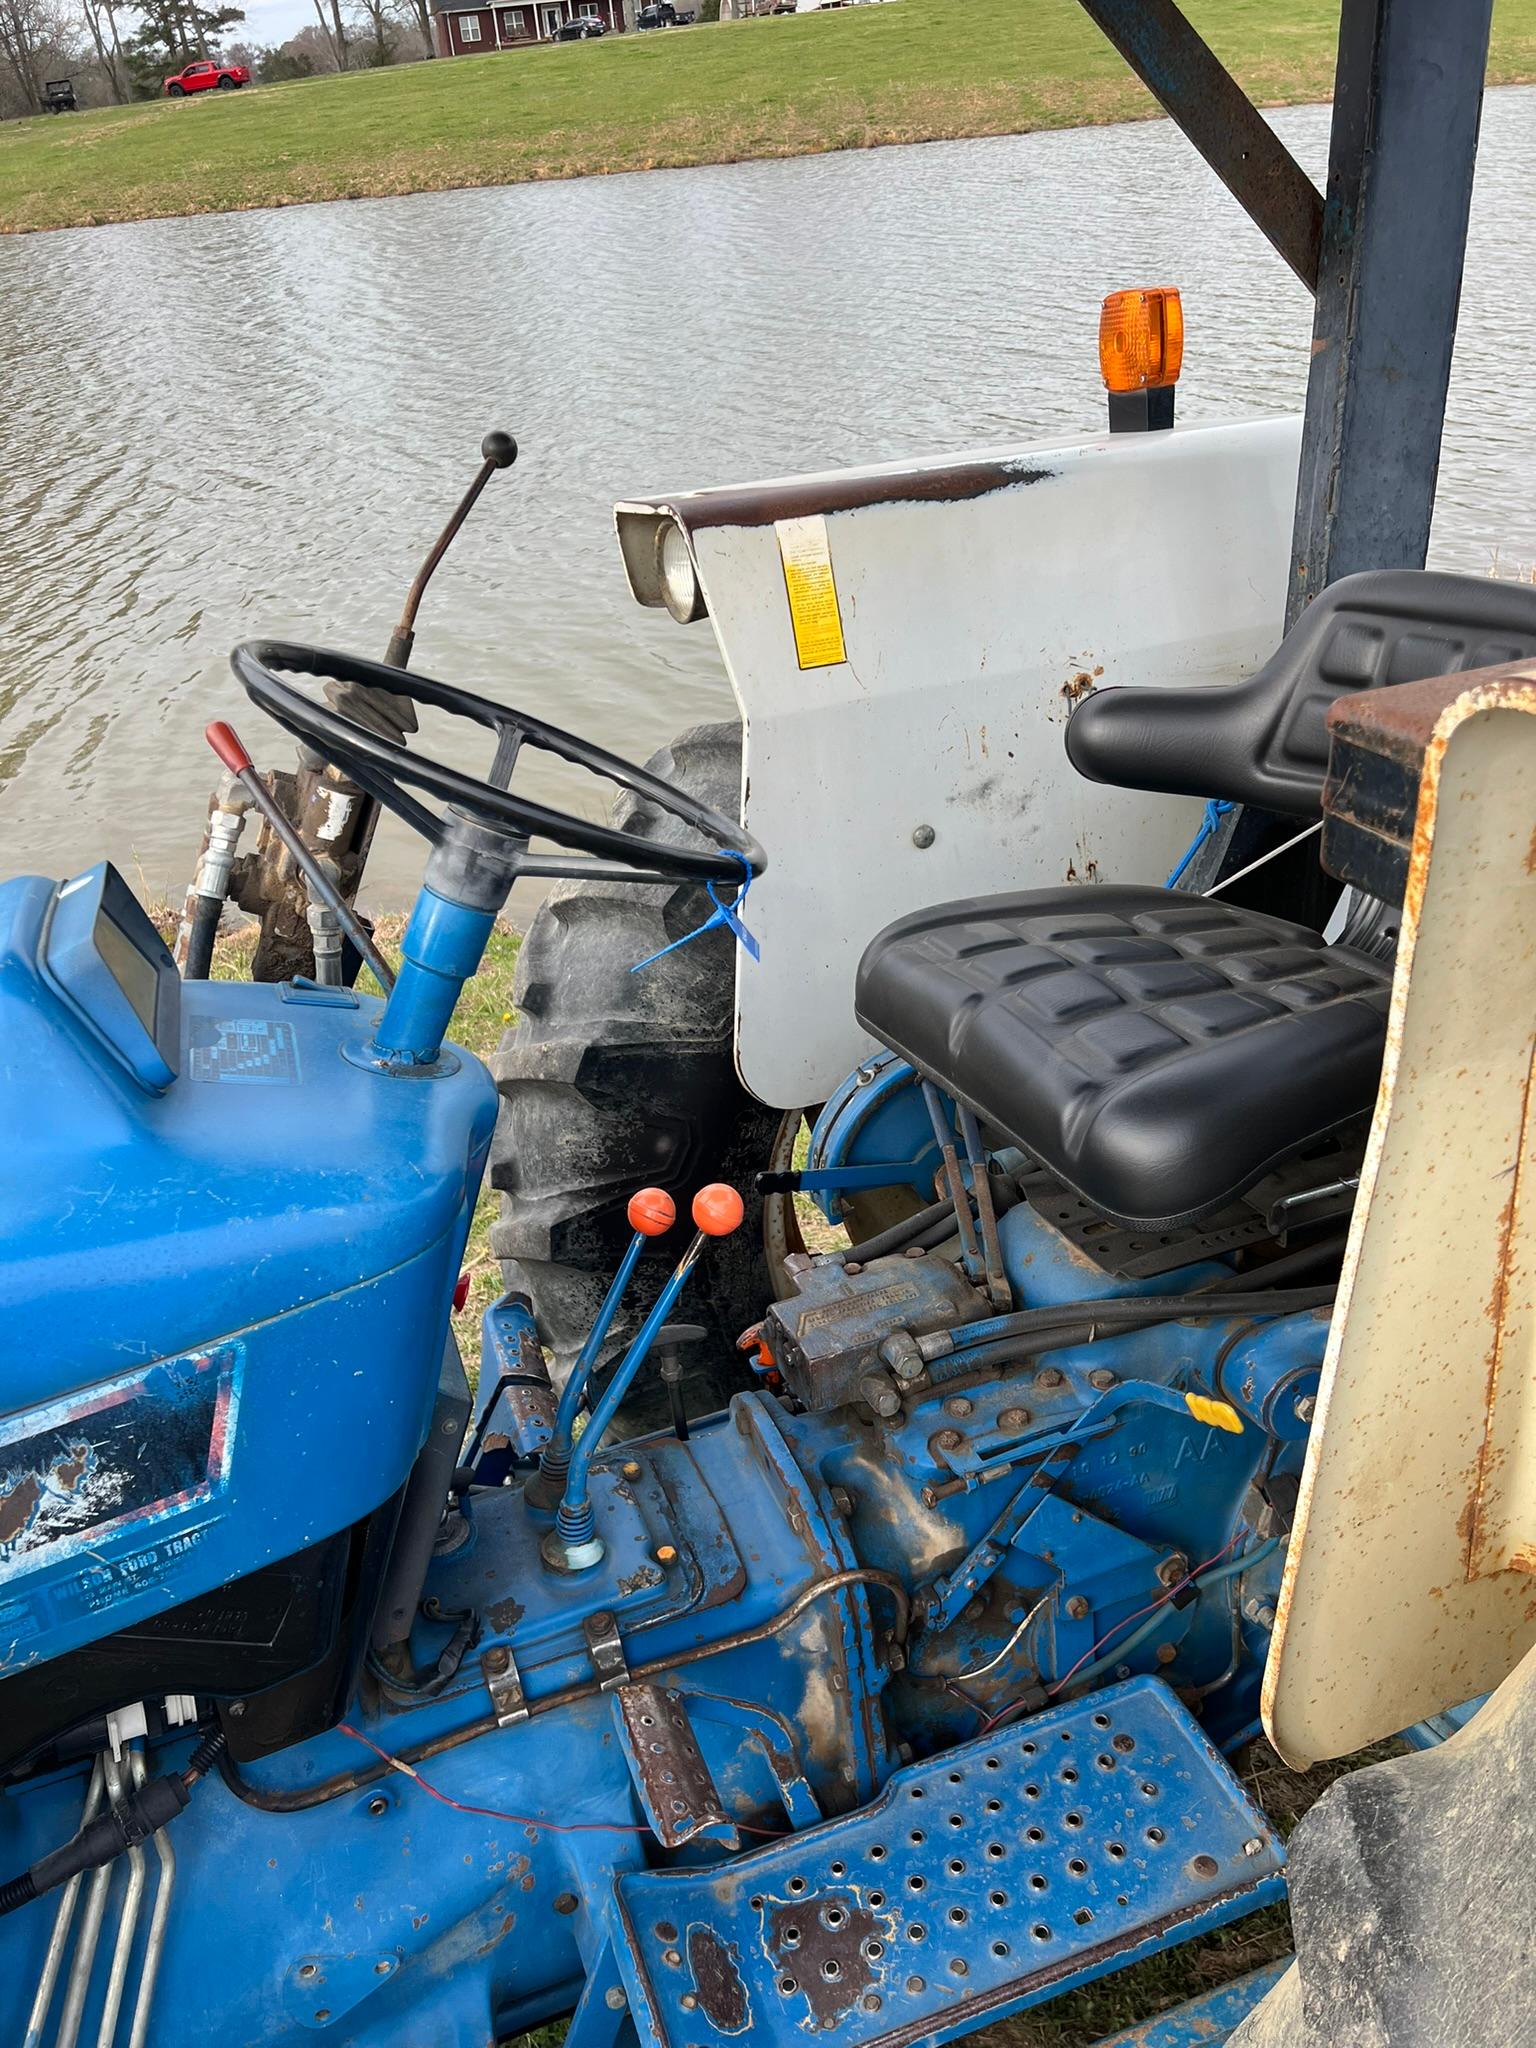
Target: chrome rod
column 58, row 1941
column 127, row 1924
column 154, row 1946
column 79, row 1980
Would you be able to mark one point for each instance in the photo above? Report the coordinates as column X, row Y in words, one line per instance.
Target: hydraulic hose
column 207, row 910
column 126, row 1823
column 1053, row 1328
column 906, row 1232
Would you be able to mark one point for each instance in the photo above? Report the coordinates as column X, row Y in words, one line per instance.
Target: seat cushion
column 1159, row 1051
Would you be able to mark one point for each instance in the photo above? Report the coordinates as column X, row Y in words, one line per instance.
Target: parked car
column 579, row 27
column 662, row 14
column 206, row 77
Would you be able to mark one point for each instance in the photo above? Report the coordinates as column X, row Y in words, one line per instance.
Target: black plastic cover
column 1264, row 741
column 1158, row 1052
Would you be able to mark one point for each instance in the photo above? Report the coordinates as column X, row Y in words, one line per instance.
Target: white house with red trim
column 473, row 31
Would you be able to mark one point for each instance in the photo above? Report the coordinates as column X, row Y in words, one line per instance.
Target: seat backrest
column 1265, row 741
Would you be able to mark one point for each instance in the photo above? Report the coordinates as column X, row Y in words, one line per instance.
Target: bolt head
column 843, row 1502
column 688, row 2001
column 957, row 1405
column 308, row 1970
column 1306, row 1407
column 630, row 1469
column 666, row 1553
column 949, row 1440
column 916, row 1251
column 1174, row 1569
column 923, row 837
column 852, row 1266
column 1077, row 1608
column 1048, row 1376
column 1102, row 1379
column 566, row 1903
column 497, row 1659
column 1166, row 1652
column 614, row 1998
column 1014, row 1418
column 378, row 1805
column 382, row 1967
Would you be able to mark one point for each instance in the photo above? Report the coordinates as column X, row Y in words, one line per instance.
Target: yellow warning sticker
column 812, row 591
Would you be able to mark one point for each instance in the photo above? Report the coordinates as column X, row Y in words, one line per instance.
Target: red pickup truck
column 204, row 77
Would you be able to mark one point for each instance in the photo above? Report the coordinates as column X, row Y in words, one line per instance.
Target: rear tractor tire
column 611, row 1080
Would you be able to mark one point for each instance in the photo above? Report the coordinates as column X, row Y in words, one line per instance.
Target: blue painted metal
column 252, row 1221
column 556, row 1460
column 876, row 1116
column 1204, row 2022
column 978, row 1884
column 376, row 1910
column 441, row 949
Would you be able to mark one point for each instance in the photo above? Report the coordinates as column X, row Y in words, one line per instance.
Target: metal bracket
column 674, row 1782
column 606, row 1650
column 504, row 1682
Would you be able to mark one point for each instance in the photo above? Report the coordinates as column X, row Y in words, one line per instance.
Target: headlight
column 677, row 576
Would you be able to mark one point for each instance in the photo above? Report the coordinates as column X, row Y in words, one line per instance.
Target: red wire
column 575, row 1827
column 1098, row 1649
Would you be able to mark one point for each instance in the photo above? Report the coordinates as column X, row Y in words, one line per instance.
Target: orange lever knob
column 718, row 1209
column 652, row 1212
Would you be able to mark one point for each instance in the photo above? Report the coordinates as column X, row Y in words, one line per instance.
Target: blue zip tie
column 722, row 914
column 1216, row 808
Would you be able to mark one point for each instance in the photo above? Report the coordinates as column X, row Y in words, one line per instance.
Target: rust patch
column 1080, row 685
column 636, row 1581
column 504, row 1615
column 717, row 1980
column 801, row 497
column 18, row 1504
column 822, row 1946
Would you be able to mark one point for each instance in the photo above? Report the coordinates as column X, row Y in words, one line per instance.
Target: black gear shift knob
column 498, row 448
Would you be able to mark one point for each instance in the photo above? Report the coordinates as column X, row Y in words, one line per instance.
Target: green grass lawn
column 913, row 71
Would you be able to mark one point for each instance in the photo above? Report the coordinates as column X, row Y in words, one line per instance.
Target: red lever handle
column 225, row 742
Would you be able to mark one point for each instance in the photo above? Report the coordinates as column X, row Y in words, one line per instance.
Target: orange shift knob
column 718, row 1209
column 652, row 1212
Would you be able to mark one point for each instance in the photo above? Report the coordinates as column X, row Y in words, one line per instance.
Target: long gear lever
column 652, row 1213
column 573, row 1545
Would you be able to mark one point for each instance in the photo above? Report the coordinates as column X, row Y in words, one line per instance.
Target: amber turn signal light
column 1141, row 338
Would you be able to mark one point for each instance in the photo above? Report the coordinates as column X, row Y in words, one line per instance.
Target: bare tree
column 25, row 31
column 379, row 47
column 334, row 30
column 418, row 13
column 109, row 50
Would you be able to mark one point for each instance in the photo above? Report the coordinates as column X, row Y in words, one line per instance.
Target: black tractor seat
column 1159, row 1051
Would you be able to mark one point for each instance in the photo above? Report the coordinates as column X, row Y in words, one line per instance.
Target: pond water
column 256, row 422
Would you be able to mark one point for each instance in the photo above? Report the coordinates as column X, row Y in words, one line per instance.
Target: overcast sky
column 273, row 21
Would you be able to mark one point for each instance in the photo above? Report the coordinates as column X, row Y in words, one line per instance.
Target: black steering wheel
column 383, row 768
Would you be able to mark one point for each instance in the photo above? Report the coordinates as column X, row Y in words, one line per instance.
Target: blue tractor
column 899, row 1694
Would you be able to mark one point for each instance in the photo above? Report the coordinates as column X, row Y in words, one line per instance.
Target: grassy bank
column 914, row 71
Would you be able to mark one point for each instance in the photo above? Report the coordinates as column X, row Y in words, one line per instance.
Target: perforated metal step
column 980, row 1882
